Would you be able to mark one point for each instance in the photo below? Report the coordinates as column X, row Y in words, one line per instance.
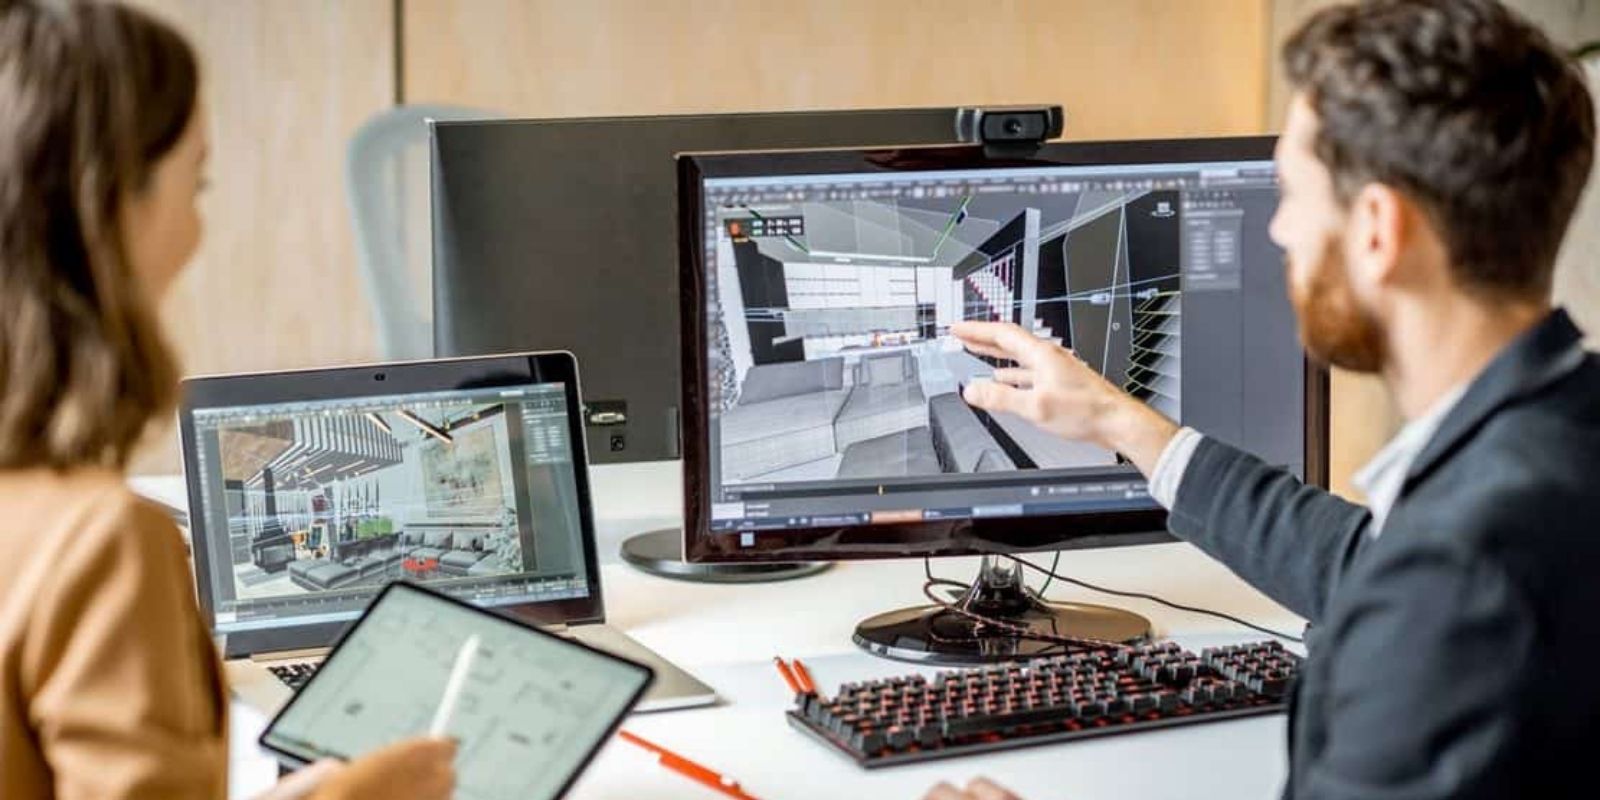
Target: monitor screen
column 311, row 507
column 558, row 233
column 828, row 416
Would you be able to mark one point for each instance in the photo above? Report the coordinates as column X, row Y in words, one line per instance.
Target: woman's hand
column 412, row 769
column 978, row 789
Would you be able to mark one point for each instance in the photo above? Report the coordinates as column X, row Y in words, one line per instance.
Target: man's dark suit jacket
column 1457, row 654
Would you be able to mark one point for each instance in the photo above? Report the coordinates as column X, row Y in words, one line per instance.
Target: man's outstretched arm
column 1289, row 540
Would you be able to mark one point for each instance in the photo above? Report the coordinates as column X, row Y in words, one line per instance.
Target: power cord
column 1054, row 562
column 1052, row 574
column 1019, row 631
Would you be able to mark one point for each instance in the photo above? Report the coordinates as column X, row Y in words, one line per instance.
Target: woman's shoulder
column 66, row 490
column 76, row 507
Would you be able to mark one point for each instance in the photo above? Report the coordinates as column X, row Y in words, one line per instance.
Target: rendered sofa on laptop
column 322, row 574
column 467, row 549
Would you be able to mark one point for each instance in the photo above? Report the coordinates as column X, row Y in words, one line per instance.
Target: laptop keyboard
column 294, row 675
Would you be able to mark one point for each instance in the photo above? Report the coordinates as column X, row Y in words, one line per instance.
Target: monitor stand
column 935, row 634
column 660, row 553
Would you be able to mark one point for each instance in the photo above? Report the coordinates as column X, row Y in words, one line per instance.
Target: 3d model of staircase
column 998, row 297
column 1153, row 369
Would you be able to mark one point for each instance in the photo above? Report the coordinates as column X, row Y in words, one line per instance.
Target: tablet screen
column 533, row 710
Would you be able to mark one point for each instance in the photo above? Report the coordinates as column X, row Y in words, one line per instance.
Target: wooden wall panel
column 1578, row 270
column 1130, row 68
column 1569, row 23
column 288, row 81
column 1364, row 416
column 275, row 283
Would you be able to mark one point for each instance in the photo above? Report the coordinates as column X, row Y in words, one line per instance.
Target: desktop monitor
column 558, row 234
column 822, row 390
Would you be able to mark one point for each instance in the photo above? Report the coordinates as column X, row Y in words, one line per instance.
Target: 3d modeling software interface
column 312, row 507
column 836, row 396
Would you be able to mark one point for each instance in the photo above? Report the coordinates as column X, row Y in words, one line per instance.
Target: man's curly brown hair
column 1466, row 108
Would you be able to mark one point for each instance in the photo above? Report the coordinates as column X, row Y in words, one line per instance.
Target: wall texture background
column 288, row 81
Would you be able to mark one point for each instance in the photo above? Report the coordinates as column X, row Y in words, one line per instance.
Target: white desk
column 727, row 635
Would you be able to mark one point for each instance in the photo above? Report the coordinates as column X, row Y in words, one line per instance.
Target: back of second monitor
column 560, row 234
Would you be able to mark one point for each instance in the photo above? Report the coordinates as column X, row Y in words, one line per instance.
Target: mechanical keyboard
column 1091, row 693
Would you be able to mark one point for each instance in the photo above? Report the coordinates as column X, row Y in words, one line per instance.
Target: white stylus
column 452, row 688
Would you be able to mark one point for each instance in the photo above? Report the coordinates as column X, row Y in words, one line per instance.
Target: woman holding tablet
column 111, row 686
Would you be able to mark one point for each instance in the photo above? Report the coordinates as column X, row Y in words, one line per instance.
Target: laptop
column 311, row 490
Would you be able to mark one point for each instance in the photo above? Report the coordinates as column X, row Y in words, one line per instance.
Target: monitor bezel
column 962, row 537
column 411, row 377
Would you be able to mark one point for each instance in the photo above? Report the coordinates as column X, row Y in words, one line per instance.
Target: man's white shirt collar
column 1382, row 477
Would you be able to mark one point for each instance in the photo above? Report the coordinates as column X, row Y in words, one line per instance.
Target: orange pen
column 804, row 676
column 788, row 677
column 689, row 769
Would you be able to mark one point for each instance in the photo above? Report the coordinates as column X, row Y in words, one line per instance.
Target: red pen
column 689, row 769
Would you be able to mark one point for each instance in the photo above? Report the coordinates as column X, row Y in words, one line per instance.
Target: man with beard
column 1430, row 162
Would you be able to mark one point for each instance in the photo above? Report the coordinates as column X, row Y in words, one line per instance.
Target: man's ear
column 1377, row 234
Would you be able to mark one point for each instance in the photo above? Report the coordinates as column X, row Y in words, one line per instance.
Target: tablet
column 533, row 711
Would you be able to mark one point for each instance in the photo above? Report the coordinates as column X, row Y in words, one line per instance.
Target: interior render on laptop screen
column 834, row 373
column 325, row 502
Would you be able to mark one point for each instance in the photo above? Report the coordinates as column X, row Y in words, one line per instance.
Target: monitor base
column 660, row 553
column 940, row 635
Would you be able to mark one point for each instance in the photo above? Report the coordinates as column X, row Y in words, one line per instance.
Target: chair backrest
column 386, row 179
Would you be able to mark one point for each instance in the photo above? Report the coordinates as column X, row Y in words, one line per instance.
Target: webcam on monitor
column 1004, row 130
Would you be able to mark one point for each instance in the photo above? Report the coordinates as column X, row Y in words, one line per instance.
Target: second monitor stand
column 660, row 553
column 1028, row 626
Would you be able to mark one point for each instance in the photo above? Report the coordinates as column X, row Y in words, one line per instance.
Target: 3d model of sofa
column 961, row 442
column 895, row 455
column 467, row 549
column 886, row 399
column 795, row 413
column 784, row 417
column 322, row 574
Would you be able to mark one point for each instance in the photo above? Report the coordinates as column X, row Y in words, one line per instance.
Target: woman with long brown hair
column 109, row 684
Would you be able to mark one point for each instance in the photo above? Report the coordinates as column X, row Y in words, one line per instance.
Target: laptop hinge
column 557, row 628
column 291, row 655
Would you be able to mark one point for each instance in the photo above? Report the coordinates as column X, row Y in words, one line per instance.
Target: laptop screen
column 310, row 508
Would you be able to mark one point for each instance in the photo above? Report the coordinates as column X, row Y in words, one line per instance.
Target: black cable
column 1152, row 598
column 1018, row 631
column 953, row 606
column 1054, row 562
